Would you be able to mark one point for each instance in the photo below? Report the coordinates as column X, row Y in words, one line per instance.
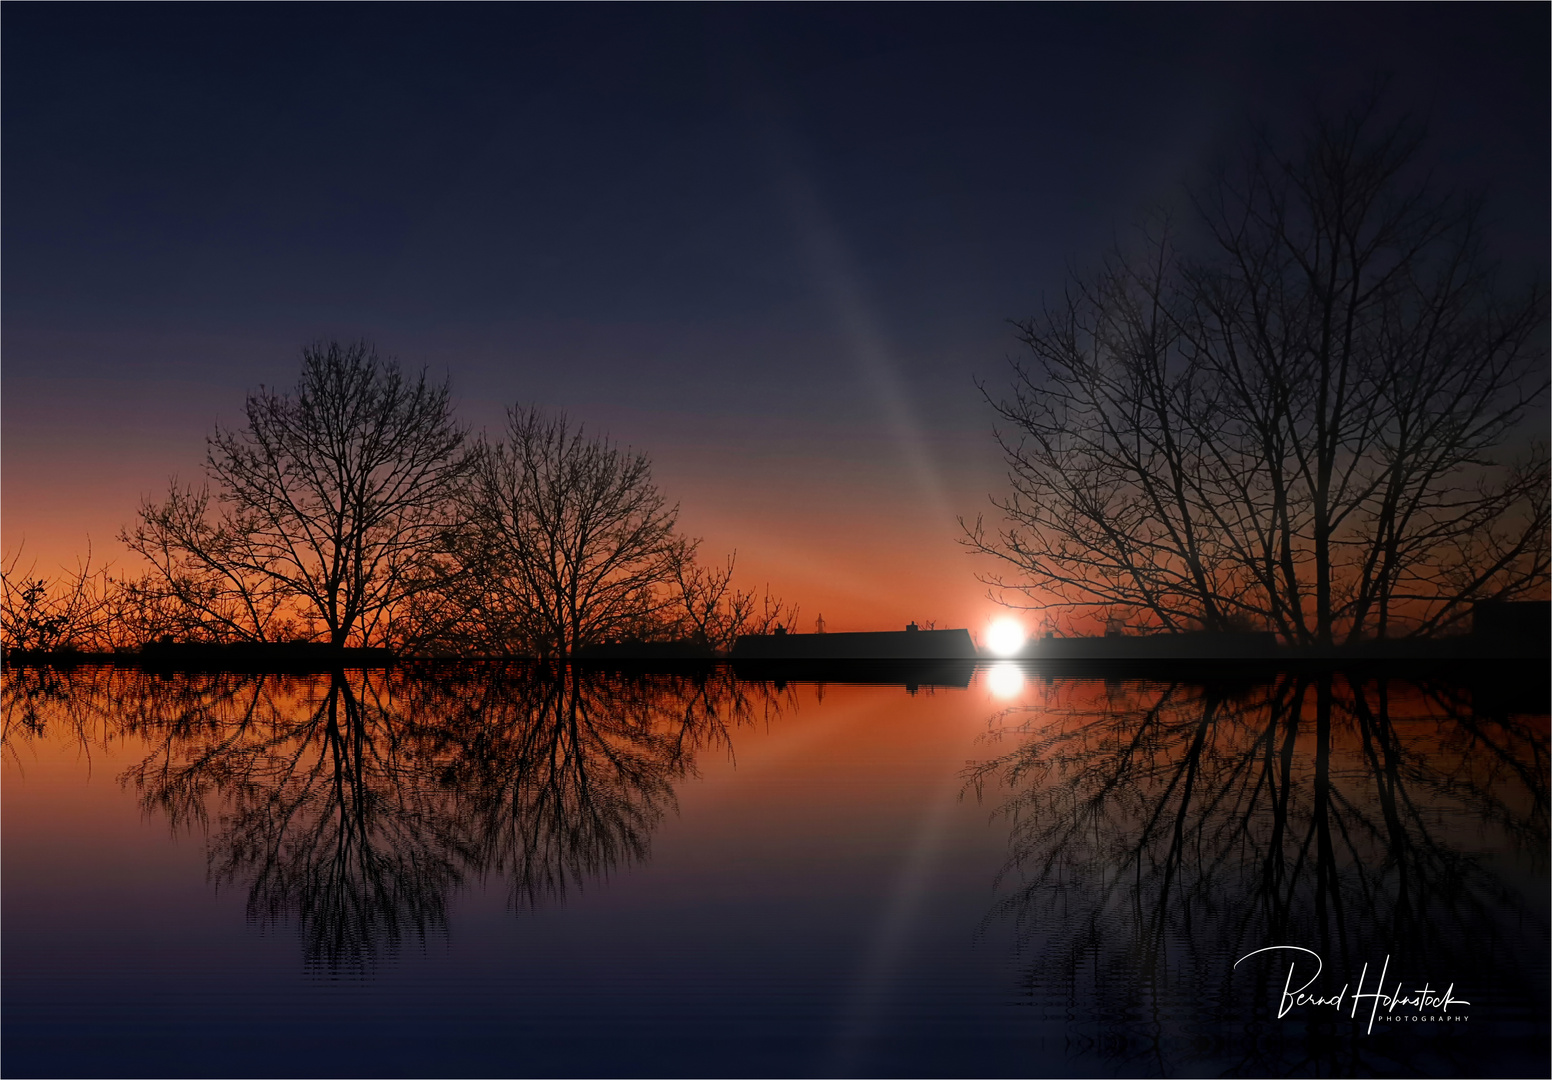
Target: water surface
column 482, row 872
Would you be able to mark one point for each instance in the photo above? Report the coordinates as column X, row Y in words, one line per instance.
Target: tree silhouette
column 42, row 614
column 1301, row 422
column 330, row 503
column 566, row 540
column 713, row 612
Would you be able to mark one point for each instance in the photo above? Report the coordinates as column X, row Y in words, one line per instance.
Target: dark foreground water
column 506, row 874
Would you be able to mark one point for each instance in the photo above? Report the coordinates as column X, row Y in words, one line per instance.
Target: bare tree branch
column 1305, row 427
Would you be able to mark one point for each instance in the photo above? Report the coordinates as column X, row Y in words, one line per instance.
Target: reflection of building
column 908, row 644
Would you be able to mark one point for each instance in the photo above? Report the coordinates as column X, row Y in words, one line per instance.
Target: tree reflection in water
column 355, row 803
column 1159, row 832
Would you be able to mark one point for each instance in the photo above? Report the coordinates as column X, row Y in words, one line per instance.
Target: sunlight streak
column 861, row 1018
column 832, row 267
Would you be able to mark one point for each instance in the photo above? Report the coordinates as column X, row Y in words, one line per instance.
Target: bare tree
column 331, row 500
column 568, row 540
column 1304, row 427
column 51, row 614
column 716, row 613
column 201, row 585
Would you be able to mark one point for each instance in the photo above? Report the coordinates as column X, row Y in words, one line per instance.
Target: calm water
column 506, row 874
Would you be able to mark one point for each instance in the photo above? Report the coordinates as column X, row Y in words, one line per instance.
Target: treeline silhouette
column 351, row 806
column 1313, row 408
column 1159, row 832
column 354, row 511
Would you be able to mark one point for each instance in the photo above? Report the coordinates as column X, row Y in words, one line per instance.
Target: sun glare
column 1004, row 680
column 1005, row 637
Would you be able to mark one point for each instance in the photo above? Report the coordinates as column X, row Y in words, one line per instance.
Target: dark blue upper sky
column 234, row 164
column 773, row 244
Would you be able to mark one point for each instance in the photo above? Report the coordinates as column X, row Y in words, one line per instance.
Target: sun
column 1005, row 637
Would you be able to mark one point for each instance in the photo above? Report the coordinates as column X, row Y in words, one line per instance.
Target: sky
column 775, row 247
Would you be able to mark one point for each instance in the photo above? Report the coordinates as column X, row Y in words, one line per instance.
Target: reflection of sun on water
column 1004, row 680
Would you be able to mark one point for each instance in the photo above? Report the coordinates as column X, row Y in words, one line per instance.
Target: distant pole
column 819, row 624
